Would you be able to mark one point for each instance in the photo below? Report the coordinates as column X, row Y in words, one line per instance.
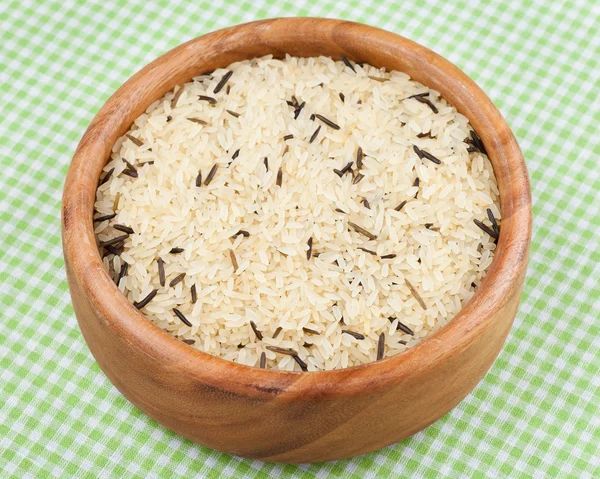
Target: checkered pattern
column 536, row 413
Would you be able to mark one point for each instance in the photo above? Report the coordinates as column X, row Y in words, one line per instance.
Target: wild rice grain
column 288, row 137
column 223, row 81
column 347, row 63
column 277, row 331
column 233, row 260
column 300, row 363
column 298, row 110
column 430, row 157
column 389, row 256
column 427, row 102
column 123, row 272
column 134, row 140
column 209, row 99
column 477, row 142
column 107, row 176
column 233, row 113
column 183, row 319
column 100, row 219
column 400, row 206
column 362, row 231
column 115, row 250
column 418, row 151
column 263, row 360
column 244, row 233
column 131, row 173
column 146, row 300
column 161, row 271
column 177, row 279
column 279, row 177
column 199, row 180
column 124, row 229
column 310, row 246
column 493, row 221
column 314, row 135
column 327, row 121
column 257, row 333
column 486, row 229
column 353, row 334
column 114, row 241
column 194, row 293
column 175, row 98
column 381, row 346
column 401, row 326
column 198, row 120
column 310, row 331
column 211, row 174
column 176, row 250
column 278, row 350
column 416, row 295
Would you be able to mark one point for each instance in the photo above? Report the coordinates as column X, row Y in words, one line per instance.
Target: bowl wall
column 283, row 416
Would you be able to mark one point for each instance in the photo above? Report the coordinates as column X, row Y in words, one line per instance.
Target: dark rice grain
column 177, row 279
column 146, row 300
column 362, row 231
column 415, row 294
column 161, row 271
column 257, row 333
column 381, row 346
column 123, row 272
column 314, row 135
column 327, row 121
column 211, row 174
column 124, row 229
column 263, row 360
column 300, row 363
column 486, row 229
column 100, row 219
column 114, row 241
column 347, row 63
column 134, row 140
column 107, row 176
column 223, row 81
column 353, row 334
column 183, row 319
column 209, row 99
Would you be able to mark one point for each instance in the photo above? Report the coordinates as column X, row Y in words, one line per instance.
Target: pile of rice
column 284, row 245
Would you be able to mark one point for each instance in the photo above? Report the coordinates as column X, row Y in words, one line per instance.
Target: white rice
column 275, row 286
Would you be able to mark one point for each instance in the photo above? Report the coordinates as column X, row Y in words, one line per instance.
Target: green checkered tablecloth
column 536, row 413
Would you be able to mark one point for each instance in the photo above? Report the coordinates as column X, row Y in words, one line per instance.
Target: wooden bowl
column 289, row 416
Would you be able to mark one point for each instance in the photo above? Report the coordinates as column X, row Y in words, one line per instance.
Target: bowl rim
column 111, row 307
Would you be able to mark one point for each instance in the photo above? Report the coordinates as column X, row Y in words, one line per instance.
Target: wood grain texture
column 284, row 416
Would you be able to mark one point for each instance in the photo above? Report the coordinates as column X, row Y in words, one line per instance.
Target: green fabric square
column 535, row 414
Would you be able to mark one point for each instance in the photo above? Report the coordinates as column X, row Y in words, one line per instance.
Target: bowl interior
column 298, row 37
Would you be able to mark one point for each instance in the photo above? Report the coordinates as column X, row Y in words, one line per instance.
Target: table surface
column 535, row 414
